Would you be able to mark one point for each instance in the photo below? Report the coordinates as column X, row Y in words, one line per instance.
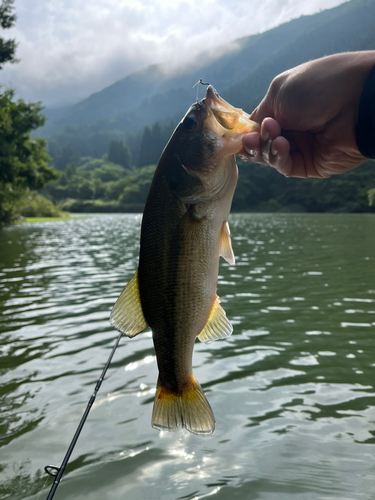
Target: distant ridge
column 241, row 76
column 346, row 28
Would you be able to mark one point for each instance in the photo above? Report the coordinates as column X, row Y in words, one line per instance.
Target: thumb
column 263, row 110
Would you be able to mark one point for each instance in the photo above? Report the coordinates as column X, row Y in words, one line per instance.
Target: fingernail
column 264, row 135
column 273, row 151
column 250, row 152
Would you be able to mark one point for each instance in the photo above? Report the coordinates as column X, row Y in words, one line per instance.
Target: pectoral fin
column 226, row 250
column 218, row 326
column 127, row 315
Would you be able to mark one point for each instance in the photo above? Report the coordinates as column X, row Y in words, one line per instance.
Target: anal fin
column 127, row 315
column 218, row 325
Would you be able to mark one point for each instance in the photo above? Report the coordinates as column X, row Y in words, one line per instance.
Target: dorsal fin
column 218, row 325
column 127, row 315
column 226, row 250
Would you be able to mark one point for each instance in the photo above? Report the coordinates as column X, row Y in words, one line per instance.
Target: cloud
column 71, row 48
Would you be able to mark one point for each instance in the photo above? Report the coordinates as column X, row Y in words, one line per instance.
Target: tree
column 7, row 20
column 119, row 153
column 23, row 160
column 152, row 145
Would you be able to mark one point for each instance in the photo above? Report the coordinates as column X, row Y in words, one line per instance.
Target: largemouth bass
column 184, row 233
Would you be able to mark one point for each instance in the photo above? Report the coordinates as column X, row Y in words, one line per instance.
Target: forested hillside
column 141, row 111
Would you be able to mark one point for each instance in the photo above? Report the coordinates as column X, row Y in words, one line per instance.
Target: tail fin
column 190, row 409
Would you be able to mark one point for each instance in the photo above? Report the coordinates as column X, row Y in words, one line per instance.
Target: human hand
column 308, row 118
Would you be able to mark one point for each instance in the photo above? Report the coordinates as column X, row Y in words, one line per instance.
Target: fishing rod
column 57, row 472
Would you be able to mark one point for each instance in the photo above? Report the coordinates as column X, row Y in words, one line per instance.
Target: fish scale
column 184, row 232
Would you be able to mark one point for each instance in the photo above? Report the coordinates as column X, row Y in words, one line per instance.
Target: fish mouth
column 212, row 98
column 227, row 121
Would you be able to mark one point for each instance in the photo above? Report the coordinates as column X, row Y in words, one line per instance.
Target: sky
column 69, row 49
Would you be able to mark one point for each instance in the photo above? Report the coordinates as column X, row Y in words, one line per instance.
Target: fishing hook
column 199, row 82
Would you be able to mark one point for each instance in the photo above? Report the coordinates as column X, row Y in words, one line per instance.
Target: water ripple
column 292, row 389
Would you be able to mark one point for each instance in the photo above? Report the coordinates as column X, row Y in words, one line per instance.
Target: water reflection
column 292, row 389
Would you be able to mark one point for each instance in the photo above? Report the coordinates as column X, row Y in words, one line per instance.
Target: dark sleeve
column 365, row 129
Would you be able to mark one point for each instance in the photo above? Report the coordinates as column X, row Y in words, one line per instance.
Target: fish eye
column 190, row 122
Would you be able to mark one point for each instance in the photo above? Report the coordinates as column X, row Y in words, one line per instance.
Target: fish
column 183, row 234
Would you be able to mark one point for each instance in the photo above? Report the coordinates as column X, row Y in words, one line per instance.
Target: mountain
column 241, row 76
column 346, row 28
column 123, row 95
column 138, row 89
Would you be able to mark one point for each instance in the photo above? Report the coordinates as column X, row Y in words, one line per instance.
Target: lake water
column 292, row 389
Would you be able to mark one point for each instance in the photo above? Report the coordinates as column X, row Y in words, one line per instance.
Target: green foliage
column 154, row 140
column 137, row 186
column 151, row 146
column 74, row 143
column 71, row 170
column 261, row 188
column 91, row 206
column 101, row 186
column 23, row 160
column 119, row 153
column 109, row 173
column 144, row 146
column 7, row 20
column 33, row 204
column 62, row 154
column 95, row 168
